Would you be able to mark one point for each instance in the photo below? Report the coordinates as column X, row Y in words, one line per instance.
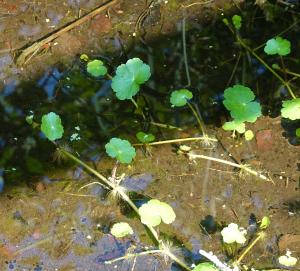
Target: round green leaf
column 265, row 222
column 126, row 83
column 205, row 267
column 120, row 149
column 155, row 211
column 239, row 101
column 249, row 135
column 291, row 109
column 237, row 21
column 298, row 132
column 180, row 97
column 121, row 229
column 278, row 46
column 51, row 126
column 145, row 138
column 96, row 68
column 234, row 126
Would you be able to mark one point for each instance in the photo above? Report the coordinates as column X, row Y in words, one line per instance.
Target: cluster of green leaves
column 239, row 100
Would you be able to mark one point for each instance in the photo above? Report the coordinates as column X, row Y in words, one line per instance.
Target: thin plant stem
column 132, row 255
column 186, row 65
column 166, row 126
column 243, row 44
column 243, row 167
column 170, row 141
column 200, row 123
column 137, row 107
column 259, row 236
column 125, row 197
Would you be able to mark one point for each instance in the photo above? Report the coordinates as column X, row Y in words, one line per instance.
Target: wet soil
column 22, row 23
column 53, row 225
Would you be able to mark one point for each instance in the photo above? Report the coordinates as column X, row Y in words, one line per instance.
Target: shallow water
column 47, row 223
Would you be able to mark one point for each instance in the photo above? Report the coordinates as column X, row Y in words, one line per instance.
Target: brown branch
column 29, row 52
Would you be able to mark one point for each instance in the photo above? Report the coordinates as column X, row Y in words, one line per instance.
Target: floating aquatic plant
column 145, row 138
column 51, row 126
column 278, row 46
column 120, row 149
column 129, row 77
column 237, row 21
column 121, row 229
column 96, row 68
column 291, row 109
column 180, row 97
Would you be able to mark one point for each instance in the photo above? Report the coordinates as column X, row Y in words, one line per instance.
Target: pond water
column 48, row 221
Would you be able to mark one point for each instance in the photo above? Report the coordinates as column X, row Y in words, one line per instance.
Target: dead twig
column 29, row 52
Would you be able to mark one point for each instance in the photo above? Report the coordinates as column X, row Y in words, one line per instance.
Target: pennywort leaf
column 126, row 83
column 121, row 229
column 291, row 109
column 237, row 21
column 180, row 97
column 155, row 211
column 278, row 46
column 145, row 138
column 234, row 126
column 96, row 68
column 51, row 126
column 120, row 149
column 239, row 101
column 205, row 267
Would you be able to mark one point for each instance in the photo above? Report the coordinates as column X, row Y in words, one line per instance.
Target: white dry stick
column 214, row 259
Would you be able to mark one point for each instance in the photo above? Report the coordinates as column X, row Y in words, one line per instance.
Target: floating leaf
column 121, row 229
column 237, row 21
column 51, row 126
column 180, row 97
column 239, row 101
column 291, row 109
column 120, row 149
column 126, row 83
column 278, row 46
column 145, row 138
column 155, row 211
column 96, row 68
column 234, row 126
column 265, row 222
column 249, row 135
column 84, row 57
column 205, row 267
column 298, row 132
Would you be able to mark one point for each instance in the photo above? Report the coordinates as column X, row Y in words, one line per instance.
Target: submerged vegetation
column 132, row 109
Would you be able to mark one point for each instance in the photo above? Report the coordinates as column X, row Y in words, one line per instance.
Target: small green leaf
column 205, row 267
column 51, row 126
column 278, row 46
column 180, row 97
column 234, row 126
column 84, row 57
column 298, row 132
column 29, row 119
column 126, row 83
column 120, row 149
column 121, row 229
column 155, row 211
column 249, row 135
column 96, row 68
column 145, row 138
column 291, row 109
column 239, row 101
column 237, row 21
column 265, row 222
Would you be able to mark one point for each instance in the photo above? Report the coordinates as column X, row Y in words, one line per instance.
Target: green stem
column 201, row 125
column 243, row 44
column 125, row 197
column 260, row 235
column 170, row 141
column 137, row 107
column 185, row 53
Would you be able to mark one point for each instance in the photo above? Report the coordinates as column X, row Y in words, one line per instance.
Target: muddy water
column 49, row 223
